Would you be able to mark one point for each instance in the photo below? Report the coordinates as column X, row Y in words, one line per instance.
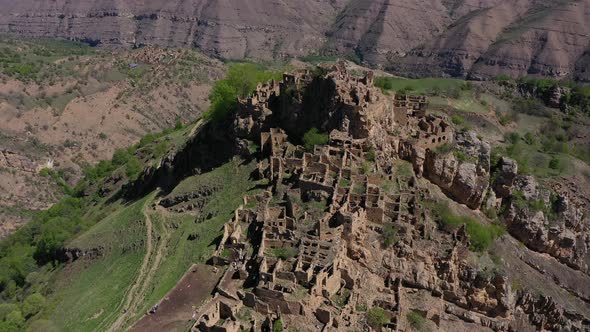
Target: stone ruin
column 312, row 248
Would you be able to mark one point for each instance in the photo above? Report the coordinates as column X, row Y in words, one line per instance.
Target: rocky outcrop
column 13, row 160
column 517, row 38
column 250, row 29
column 464, row 174
column 504, row 176
column 546, row 222
column 545, row 314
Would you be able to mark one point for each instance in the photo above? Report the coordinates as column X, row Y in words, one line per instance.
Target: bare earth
column 176, row 309
column 105, row 111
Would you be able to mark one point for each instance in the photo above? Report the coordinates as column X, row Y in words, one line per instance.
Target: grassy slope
column 182, row 253
column 477, row 112
column 89, row 292
column 420, row 86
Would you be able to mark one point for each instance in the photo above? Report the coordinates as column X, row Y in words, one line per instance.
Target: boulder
column 467, row 181
column 505, row 174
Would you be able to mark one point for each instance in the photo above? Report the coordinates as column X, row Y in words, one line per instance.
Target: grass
column 282, row 253
column 82, row 290
column 418, row 86
column 181, row 252
column 86, row 300
column 377, row 317
column 481, row 236
column 416, row 320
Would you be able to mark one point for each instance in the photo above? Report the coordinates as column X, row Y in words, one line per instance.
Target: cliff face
column 517, row 38
column 229, row 29
column 470, row 38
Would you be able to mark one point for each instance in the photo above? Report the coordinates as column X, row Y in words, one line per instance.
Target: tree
column 15, row 319
column 33, row 304
column 312, row 138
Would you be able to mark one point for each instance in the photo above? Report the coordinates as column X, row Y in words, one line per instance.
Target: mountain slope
column 476, row 38
column 225, row 28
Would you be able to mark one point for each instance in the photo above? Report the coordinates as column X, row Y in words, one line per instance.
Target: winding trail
column 155, row 250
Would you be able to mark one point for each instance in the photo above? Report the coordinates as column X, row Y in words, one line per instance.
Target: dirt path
column 196, row 127
column 151, row 261
column 177, row 308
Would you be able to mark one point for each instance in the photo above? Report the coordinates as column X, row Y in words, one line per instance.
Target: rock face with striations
column 506, row 171
column 477, row 39
column 464, row 180
column 228, row 29
column 548, row 222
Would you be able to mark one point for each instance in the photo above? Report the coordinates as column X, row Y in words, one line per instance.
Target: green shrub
column 15, row 320
column 370, row 155
column 240, row 81
column 313, row 137
column 555, row 163
column 161, row 148
column 120, row 157
column 481, row 236
column 457, row 119
column 384, row 83
column 133, row 168
column 502, row 78
column 443, row 148
column 512, row 138
column 377, row 317
column 33, row 304
column 316, row 58
column 461, row 155
column 389, row 235
column 283, row 253
column 529, row 138
column 416, row 320
column 342, row 298
column 277, row 325
column 531, row 107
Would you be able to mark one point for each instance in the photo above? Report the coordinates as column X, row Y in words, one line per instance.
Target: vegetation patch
column 377, row 317
column 481, row 236
column 240, row 81
column 416, row 320
column 313, row 137
column 434, row 86
column 389, row 235
column 283, row 253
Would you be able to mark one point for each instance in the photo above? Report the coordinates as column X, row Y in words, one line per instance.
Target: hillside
column 66, row 106
column 325, row 198
column 464, row 38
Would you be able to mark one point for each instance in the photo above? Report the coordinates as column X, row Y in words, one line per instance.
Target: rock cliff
column 476, row 39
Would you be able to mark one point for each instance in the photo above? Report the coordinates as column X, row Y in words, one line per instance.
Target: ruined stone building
column 314, row 249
